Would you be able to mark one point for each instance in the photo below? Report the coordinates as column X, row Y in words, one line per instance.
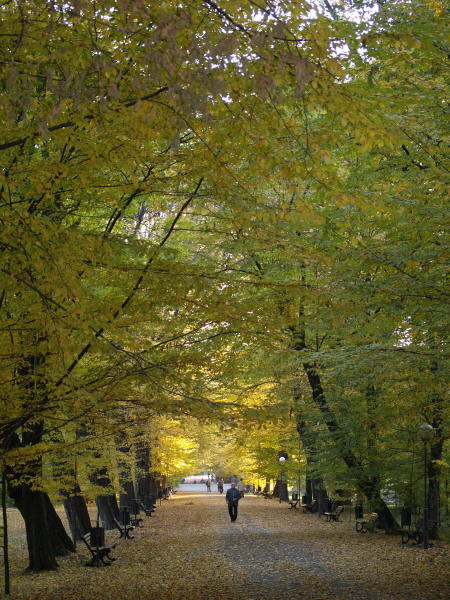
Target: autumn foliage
column 223, row 215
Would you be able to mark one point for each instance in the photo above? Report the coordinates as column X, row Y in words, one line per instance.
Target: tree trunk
column 309, row 490
column 46, row 536
column 6, row 569
column 108, row 510
column 74, row 503
column 145, row 480
column 372, row 434
column 369, row 486
column 127, row 492
column 31, row 504
column 434, row 470
column 77, row 514
column 61, row 541
column 276, row 489
column 315, row 485
column 319, row 494
column 107, row 506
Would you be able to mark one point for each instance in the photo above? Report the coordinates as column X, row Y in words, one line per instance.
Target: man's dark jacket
column 233, row 495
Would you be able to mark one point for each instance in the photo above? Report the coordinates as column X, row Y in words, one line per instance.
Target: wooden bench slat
column 366, row 523
column 335, row 514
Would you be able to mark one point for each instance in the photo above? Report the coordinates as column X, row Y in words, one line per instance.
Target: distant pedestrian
column 232, row 499
column 241, row 487
column 208, row 485
column 233, row 479
column 220, row 485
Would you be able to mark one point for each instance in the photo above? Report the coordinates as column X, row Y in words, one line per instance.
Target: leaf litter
column 191, row 550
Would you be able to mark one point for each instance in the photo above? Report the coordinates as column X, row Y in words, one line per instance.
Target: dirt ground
column 189, row 550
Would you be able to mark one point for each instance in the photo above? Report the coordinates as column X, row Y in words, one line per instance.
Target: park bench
column 124, row 529
column 367, row 523
column 132, row 519
column 415, row 535
column 310, row 507
column 148, row 511
column 95, row 543
column 334, row 514
column 136, row 521
column 293, row 503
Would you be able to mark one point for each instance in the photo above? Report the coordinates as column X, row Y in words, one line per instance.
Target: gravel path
column 273, row 561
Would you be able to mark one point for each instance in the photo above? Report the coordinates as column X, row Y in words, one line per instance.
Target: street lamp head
column 426, row 432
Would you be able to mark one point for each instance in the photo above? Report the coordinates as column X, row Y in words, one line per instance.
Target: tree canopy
column 228, row 214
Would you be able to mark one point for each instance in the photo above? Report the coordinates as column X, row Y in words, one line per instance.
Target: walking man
column 232, row 499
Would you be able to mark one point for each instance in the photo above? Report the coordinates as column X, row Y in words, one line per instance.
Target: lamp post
column 426, row 433
column 282, row 458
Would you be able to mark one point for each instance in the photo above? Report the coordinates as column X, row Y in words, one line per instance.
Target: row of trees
column 231, row 212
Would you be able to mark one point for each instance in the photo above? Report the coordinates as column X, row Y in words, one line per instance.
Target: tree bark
column 145, row 480
column 46, row 536
column 320, row 494
column 372, row 462
column 434, row 469
column 127, row 491
column 107, row 506
column 77, row 513
column 276, row 489
column 309, row 490
column 31, row 504
column 6, row 569
column 108, row 510
column 61, row 541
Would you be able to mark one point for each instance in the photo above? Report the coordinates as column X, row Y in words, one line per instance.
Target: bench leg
column 90, row 563
column 417, row 537
column 97, row 561
column 102, row 558
column 361, row 527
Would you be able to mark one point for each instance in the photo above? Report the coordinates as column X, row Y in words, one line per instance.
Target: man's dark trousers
column 233, row 510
